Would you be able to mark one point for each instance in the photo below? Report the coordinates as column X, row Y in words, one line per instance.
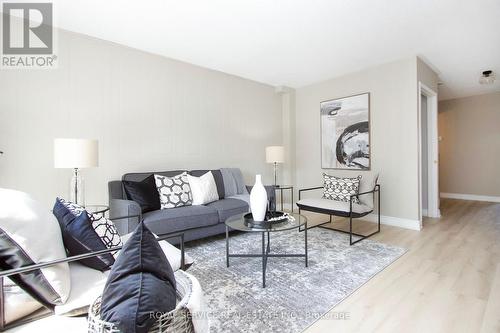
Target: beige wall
column 394, row 132
column 148, row 113
column 469, row 153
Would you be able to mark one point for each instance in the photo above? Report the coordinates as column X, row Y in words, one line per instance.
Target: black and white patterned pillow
column 340, row 189
column 104, row 227
column 174, row 191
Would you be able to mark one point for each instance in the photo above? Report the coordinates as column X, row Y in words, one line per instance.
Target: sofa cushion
column 340, row 206
column 228, row 207
column 243, row 197
column 182, row 218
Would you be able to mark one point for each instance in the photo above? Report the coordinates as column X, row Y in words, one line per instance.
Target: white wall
column 425, row 152
column 148, row 113
column 428, row 77
column 394, row 133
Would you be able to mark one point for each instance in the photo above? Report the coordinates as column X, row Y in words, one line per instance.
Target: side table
column 282, row 188
column 97, row 209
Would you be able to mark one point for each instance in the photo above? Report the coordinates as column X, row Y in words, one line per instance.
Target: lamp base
column 77, row 189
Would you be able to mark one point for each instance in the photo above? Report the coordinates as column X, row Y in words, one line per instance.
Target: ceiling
column 297, row 43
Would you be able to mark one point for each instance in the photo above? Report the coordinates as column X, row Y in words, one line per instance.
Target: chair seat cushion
column 333, row 205
column 228, row 207
column 87, row 283
column 179, row 219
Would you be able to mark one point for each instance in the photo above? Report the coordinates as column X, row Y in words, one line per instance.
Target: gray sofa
column 195, row 221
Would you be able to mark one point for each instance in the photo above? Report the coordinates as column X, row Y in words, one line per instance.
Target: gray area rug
column 295, row 296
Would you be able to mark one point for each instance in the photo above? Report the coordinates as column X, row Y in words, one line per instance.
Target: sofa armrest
column 271, row 195
column 119, row 208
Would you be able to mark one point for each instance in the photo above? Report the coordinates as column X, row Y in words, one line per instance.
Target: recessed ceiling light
column 488, row 77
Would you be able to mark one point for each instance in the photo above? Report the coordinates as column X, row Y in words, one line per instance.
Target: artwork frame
column 345, row 133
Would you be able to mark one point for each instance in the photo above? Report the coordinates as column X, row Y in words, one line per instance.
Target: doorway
column 428, row 153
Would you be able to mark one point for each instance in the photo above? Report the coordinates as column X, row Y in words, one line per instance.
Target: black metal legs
column 265, row 252
column 280, row 189
column 351, row 216
column 305, row 244
column 316, row 225
column 227, row 246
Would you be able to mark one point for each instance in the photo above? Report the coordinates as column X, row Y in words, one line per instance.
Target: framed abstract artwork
column 345, row 133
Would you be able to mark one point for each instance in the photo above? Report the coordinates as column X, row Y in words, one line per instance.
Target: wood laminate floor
column 448, row 281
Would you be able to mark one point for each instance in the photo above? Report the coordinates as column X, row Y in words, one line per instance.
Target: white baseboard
column 472, row 197
column 425, row 213
column 395, row 221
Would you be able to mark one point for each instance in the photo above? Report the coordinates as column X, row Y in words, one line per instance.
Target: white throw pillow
column 203, row 189
column 30, row 234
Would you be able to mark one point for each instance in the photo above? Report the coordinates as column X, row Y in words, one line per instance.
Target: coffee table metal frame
column 266, row 245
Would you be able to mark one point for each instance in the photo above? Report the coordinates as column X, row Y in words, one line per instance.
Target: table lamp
column 76, row 154
column 275, row 155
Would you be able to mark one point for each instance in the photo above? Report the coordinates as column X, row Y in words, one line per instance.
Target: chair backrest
column 367, row 183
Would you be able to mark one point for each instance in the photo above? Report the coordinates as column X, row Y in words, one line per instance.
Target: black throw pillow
column 141, row 283
column 79, row 237
column 144, row 193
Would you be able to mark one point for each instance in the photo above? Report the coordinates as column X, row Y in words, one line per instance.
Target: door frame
column 432, row 151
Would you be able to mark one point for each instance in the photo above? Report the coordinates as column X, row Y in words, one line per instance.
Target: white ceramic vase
column 258, row 200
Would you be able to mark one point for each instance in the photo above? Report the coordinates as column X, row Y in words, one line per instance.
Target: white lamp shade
column 275, row 154
column 76, row 153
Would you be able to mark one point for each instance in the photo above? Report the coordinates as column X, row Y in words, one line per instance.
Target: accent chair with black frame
column 350, row 210
column 46, row 311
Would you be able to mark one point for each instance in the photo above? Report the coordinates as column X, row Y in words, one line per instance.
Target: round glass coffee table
column 237, row 222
